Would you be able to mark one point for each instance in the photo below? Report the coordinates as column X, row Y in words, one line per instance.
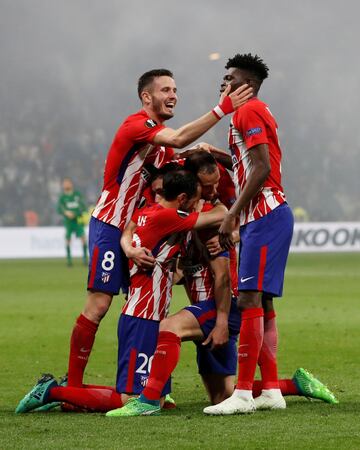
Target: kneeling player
column 157, row 232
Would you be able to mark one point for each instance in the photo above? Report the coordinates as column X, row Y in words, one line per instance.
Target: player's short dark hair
column 148, row 77
column 179, row 182
column 200, row 162
column 252, row 64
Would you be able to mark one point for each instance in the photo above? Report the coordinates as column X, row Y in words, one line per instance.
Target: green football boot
column 169, row 402
column 38, row 394
column 52, row 405
column 311, row 387
column 135, row 407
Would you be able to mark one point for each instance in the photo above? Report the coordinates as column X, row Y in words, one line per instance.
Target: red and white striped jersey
column 123, row 177
column 197, row 270
column 253, row 124
column 158, row 229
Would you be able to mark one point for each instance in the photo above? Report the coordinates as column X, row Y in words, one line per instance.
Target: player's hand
column 69, row 214
column 226, row 232
column 142, row 257
column 218, row 337
column 213, row 246
column 203, row 146
column 231, row 102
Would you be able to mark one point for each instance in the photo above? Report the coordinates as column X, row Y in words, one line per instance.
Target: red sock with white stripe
column 166, row 357
column 94, row 399
column 250, row 342
column 267, row 357
column 81, row 343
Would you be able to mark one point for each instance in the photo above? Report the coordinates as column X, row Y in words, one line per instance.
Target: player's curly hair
column 252, row 64
column 148, row 77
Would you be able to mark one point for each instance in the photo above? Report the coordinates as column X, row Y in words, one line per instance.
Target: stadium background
column 69, row 75
column 68, row 78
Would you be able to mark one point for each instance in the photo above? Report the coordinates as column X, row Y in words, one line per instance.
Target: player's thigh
column 137, row 339
column 108, row 267
column 184, row 324
column 263, row 252
column 80, row 230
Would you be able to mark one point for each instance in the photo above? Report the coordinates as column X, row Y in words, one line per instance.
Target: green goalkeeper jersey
column 73, row 202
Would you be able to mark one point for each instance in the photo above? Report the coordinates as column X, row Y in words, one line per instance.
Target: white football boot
column 241, row 402
column 270, row 399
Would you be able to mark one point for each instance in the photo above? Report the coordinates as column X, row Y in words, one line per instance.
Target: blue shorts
column 224, row 360
column 264, row 248
column 137, row 339
column 108, row 265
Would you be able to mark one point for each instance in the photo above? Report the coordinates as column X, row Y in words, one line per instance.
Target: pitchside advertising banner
column 48, row 242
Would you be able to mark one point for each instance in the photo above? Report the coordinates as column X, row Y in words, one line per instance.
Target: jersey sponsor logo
column 105, row 277
column 150, row 123
column 182, row 214
column 253, row 131
column 243, row 279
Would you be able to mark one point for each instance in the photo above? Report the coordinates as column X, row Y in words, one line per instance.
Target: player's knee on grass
column 97, row 305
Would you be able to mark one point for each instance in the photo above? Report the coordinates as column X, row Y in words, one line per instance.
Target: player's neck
column 153, row 115
column 169, row 204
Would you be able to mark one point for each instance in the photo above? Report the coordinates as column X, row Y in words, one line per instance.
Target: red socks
column 166, row 357
column 82, row 340
column 98, row 399
column 250, row 343
column 287, row 387
column 267, row 358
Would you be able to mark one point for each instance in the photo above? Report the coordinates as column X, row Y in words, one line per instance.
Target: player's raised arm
column 141, row 256
column 211, row 218
column 188, row 133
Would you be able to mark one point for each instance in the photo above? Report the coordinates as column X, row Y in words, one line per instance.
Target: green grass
column 318, row 320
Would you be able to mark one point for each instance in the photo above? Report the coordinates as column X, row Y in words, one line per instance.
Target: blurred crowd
column 40, row 147
column 32, row 167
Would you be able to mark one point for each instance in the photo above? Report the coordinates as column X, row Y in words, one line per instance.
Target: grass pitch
column 318, row 321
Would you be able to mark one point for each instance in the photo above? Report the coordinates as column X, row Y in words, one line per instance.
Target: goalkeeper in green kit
column 72, row 206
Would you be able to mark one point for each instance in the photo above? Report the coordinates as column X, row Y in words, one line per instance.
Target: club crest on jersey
column 182, row 214
column 143, row 380
column 253, row 131
column 105, row 277
column 150, row 123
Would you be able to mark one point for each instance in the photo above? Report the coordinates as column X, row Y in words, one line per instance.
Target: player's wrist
column 223, row 108
column 221, row 319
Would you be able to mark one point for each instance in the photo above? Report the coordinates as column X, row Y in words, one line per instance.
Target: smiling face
column 160, row 98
